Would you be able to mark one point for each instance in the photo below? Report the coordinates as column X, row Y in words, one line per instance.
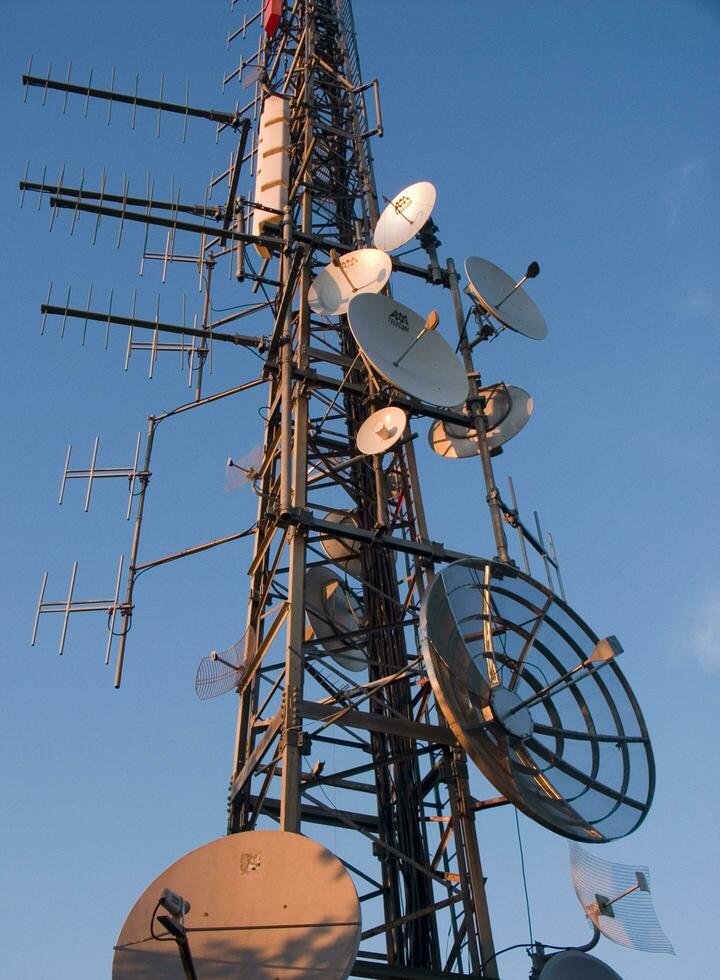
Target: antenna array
column 353, row 655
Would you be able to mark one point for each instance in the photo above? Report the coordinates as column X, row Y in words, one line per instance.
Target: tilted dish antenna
column 381, row 431
column 244, row 915
column 333, row 611
column 239, row 472
column 503, row 298
column 537, row 700
column 507, row 411
column 219, row 673
column 407, row 351
column 404, row 216
column 573, row 964
column 366, row 270
column 343, row 551
column 617, row 900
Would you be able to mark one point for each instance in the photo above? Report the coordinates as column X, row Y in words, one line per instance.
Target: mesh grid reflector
column 631, row 921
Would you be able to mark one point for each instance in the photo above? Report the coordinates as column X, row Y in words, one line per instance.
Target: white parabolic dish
column 366, row 270
column 385, row 329
column 381, row 430
column 507, row 410
column 264, row 904
column 489, row 285
column 404, row 216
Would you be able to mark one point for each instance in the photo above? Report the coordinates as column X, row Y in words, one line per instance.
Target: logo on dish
column 399, row 320
column 401, row 204
column 348, row 261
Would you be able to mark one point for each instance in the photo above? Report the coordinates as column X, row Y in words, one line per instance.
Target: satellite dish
column 343, row 551
column 507, row 411
column 366, row 270
column 333, row 611
column 239, row 472
column 248, row 917
column 385, row 330
column 537, row 701
column 503, row 299
column 572, row 964
column 219, row 673
column 381, row 431
column 404, row 216
column 617, row 900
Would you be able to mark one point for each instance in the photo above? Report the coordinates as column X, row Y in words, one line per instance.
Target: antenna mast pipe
column 475, row 406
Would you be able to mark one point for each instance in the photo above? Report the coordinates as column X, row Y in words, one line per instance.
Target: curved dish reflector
column 507, row 410
column 333, row 611
column 248, row 916
column 343, row 551
column 617, row 900
column 219, row 673
column 572, row 964
column 404, row 216
column 385, row 330
column 577, row 758
column 489, row 286
column 366, row 270
column 381, row 430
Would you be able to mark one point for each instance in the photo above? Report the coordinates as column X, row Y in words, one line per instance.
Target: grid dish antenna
column 334, row 611
column 343, row 551
column 219, row 673
column 572, row 964
column 366, row 270
column 247, row 916
column 617, row 900
column 537, row 701
column 239, row 472
column 507, row 411
column 381, row 431
column 404, row 216
column 407, row 350
column 503, row 298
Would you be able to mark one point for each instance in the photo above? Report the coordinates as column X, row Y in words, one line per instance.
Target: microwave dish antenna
column 247, row 916
column 365, row 270
column 333, row 611
column 503, row 298
column 381, row 431
column 384, row 330
column 343, row 551
column 219, row 673
column 617, row 900
column 507, row 411
column 573, row 964
column 404, row 216
column 537, row 701
column 239, row 472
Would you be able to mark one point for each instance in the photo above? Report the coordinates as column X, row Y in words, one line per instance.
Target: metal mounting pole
column 475, row 406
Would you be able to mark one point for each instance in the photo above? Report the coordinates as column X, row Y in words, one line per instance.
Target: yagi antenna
column 70, row 605
column 95, row 472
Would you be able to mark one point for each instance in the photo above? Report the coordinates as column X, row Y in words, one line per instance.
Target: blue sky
column 583, row 135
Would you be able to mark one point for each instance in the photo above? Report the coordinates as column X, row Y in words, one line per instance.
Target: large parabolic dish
column 537, row 701
column 428, row 369
column 263, row 904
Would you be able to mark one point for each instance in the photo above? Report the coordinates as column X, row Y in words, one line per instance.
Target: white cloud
column 705, row 633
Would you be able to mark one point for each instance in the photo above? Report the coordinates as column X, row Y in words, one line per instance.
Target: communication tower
column 375, row 662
